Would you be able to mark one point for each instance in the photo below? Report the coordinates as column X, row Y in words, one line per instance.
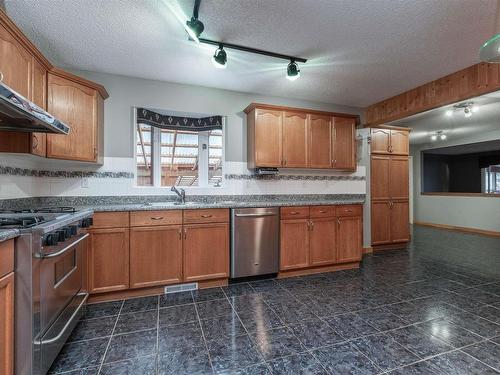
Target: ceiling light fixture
column 442, row 137
column 490, row 50
column 292, row 71
column 468, row 108
column 194, row 26
column 438, row 135
column 220, row 58
column 434, row 137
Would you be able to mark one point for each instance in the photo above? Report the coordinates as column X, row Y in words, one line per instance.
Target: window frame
column 203, row 158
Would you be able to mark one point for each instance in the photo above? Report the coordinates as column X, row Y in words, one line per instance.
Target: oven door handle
column 62, row 251
column 68, row 323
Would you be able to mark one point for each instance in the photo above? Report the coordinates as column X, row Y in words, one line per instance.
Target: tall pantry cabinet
column 389, row 183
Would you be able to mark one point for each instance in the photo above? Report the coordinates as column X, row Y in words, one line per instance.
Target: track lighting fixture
column 220, row 58
column 292, row 71
column 439, row 134
column 195, row 27
column 434, row 137
column 468, row 108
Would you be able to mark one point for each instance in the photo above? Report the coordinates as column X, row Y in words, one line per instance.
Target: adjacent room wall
column 463, row 211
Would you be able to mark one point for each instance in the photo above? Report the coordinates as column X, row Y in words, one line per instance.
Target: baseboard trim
column 151, row 291
column 489, row 233
column 320, row 269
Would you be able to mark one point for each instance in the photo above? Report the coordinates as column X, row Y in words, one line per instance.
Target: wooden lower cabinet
column 7, row 324
column 294, row 244
column 400, row 226
column 349, row 239
column 206, row 251
column 155, row 256
column 390, row 222
column 322, row 242
column 108, row 260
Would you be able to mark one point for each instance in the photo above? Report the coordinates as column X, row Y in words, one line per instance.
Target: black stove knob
column 51, row 239
column 73, row 230
column 62, row 235
column 67, row 232
column 87, row 222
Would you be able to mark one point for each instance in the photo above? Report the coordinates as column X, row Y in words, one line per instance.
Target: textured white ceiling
column 359, row 51
column 457, row 126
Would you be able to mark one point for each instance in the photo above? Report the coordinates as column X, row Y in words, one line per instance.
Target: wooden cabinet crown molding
column 464, row 84
column 21, row 38
column 81, row 81
column 273, row 107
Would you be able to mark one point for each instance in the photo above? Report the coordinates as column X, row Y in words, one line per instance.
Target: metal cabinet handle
column 347, row 210
column 312, row 224
column 338, row 221
column 284, row 162
column 180, row 234
column 323, row 211
column 254, row 215
column 206, row 216
column 294, row 213
column 185, row 233
column 35, row 142
column 157, row 218
column 1, row 77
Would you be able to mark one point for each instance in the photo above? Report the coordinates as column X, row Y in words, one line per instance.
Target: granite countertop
column 7, row 234
column 219, row 204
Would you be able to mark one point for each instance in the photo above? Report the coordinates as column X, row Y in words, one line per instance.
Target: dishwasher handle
column 256, row 215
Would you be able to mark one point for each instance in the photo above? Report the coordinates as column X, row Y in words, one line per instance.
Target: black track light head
column 194, row 28
column 220, row 58
column 292, row 71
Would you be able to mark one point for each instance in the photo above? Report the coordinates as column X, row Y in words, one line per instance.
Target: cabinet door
column 39, row 140
column 380, row 141
column 400, row 225
column 380, row 177
column 295, row 130
column 400, row 144
column 381, row 222
column 349, row 239
column 155, row 256
column 15, row 64
column 320, row 135
column 344, row 139
column 398, row 178
column 75, row 105
column 7, row 324
column 268, row 138
column 206, row 251
column 108, row 260
column 322, row 245
column 294, row 244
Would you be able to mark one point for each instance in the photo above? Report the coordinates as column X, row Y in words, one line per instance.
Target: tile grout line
column 203, row 334
column 110, row 338
column 157, row 349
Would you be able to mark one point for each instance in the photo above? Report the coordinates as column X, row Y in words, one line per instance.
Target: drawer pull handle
column 294, row 213
column 157, row 218
column 348, row 210
column 1, row 76
column 323, row 211
column 206, row 216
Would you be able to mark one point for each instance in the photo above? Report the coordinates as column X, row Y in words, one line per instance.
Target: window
column 492, row 185
column 167, row 157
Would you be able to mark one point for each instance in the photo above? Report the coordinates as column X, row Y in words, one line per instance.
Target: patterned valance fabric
column 148, row 117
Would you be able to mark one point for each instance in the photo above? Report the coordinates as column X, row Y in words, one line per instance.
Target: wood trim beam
column 488, row 233
column 478, row 79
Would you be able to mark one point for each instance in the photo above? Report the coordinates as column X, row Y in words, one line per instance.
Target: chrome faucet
column 181, row 193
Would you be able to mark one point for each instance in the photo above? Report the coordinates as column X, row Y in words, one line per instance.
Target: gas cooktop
column 29, row 218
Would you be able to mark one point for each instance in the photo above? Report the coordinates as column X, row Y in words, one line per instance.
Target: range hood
column 19, row 114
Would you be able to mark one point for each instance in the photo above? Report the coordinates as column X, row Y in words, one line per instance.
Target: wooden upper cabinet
column 322, row 241
column 16, row 63
column 380, row 141
column 295, row 139
column 380, row 177
column 155, row 256
column 265, row 130
column 80, row 107
column 294, row 244
column 400, row 144
column 398, row 177
column 108, row 260
column 7, row 324
column 39, row 83
column 320, row 145
column 344, row 143
column 206, row 251
column 349, row 233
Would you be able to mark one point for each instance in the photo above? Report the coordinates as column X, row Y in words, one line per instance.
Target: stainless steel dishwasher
column 255, row 236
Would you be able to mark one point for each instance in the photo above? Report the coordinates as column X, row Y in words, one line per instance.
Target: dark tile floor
column 431, row 309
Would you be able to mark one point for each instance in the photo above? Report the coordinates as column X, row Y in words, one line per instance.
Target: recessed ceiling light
column 219, row 58
column 292, row 71
column 449, row 113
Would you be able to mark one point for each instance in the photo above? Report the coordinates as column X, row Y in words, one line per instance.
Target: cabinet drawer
column 213, row 215
column 295, row 212
column 110, row 220
column 322, row 211
column 6, row 257
column 149, row 218
column 349, row 210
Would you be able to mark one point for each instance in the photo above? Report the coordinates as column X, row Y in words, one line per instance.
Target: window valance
column 148, row 117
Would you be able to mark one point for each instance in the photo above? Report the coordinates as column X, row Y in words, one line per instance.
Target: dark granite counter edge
column 7, row 234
